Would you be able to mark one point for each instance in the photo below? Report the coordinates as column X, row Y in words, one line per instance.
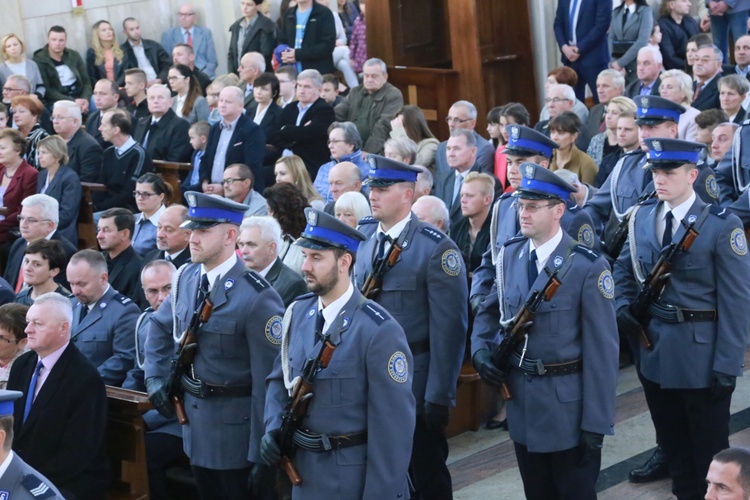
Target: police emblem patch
column 4, row 495
column 712, row 187
column 529, row 172
column 606, row 284
column 692, row 219
column 373, row 164
column 312, row 218
column 345, row 322
column 398, row 367
column 311, row 313
column 191, row 199
column 558, row 261
column 229, row 283
column 656, row 145
column 451, row 262
column 102, row 305
column 586, row 236
column 273, row 330
column 515, row 132
column 738, row 242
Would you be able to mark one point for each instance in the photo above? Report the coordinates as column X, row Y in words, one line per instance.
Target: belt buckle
column 325, row 442
column 679, row 314
column 540, row 369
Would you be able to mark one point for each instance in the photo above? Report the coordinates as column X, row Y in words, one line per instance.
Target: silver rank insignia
column 644, row 103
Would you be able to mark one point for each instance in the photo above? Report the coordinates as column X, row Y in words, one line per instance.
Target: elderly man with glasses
column 463, row 115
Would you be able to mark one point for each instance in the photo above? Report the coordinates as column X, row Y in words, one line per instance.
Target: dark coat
column 66, row 189
column 319, row 40
column 85, row 156
column 15, row 259
column 674, row 39
column 181, row 259
column 284, row 280
column 168, row 141
column 156, row 55
column 124, row 275
column 98, row 72
column 593, row 23
column 633, row 90
column 709, row 96
column 92, row 128
column 271, row 123
column 261, row 38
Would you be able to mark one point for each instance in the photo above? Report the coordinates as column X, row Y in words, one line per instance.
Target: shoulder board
column 305, row 296
column 122, row 299
column 255, row 280
column 36, row 487
column 721, row 212
column 368, row 220
column 635, row 152
column 377, row 313
column 505, row 195
column 572, row 207
column 586, row 252
column 746, row 122
column 432, row 233
column 515, row 239
column 650, row 201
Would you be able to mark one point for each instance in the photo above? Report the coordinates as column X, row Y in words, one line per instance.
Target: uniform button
column 195, row 405
column 528, row 379
column 554, row 306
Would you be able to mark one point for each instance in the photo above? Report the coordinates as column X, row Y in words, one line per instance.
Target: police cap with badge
column 325, row 232
column 667, row 154
column 207, row 210
column 525, row 141
column 653, row 110
column 385, row 172
column 538, row 183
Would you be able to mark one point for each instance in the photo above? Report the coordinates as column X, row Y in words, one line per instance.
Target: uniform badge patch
column 712, row 187
column 656, row 146
column 558, row 261
column 586, row 236
column 311, row 312
column 4, row 495
column 345, row 322
column 273, row 330
column 692, row 219
column 398, row 367
column 515, row 132
column 192, row 200
column 102, row 305
column 451, row 262
column 606, row 285
column 229, row 283
column 529, row 172
column 738, row 242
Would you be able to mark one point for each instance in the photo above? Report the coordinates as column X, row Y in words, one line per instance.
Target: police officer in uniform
column 18, row 480
column 733, row 171
column 559, row 414
column 224, row 389
column 428, row 274
column 698, row 325
column 524, row 145
column 362, row 401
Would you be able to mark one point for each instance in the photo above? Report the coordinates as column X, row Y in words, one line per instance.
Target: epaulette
column 305, row 296
column 505, row 195
column 586, row 252
column 635, row 152
column 367, row 220
column 122, row 299
column 515, row 239
column 650, row 201
column 36, row 487
column 432, row 233
column 256, row 280
column 718, row 211
column 746, row 122
column 373, row 310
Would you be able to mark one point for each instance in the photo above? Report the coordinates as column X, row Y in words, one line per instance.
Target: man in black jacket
column 147, row 55
column 114, row 232
column 315, row 49
column 84, row 152
column 163, row 134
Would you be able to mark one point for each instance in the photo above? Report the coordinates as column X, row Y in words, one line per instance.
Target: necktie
column 189, row 39
column 625, row 13
column 457, row 187
column 320, row 322
column 532, row 271
column 572, row 17
column 666, row 240
column 32, row 390
column 19, row 281
column 167, row 258
column 382, row 238
column 84, row 312
column 202, row 291
column 697, row 91
column 151, row 128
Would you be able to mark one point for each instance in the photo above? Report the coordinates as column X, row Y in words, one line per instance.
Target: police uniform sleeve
column 600, row 205
column 391, row 411
column 741, row 208
column 277, row 397
column 447, row 293
column 160, row 345
column 626, row 288
column 485, row 331
column 582, row 230
column 115, row 369
column 600, row 349
column 732, row 267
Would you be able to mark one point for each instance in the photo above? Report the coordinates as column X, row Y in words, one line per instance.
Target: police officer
column 699, row 323
column 362, row 401
column 558, row 414
column 224, row 389
column 18, row 480
column 733, row 171
column 426, row 292
column 524, row 145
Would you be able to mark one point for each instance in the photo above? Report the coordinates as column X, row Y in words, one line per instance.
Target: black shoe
column 653, row 470
column 496, row 424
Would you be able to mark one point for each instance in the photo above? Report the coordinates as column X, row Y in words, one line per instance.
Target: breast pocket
column 97, row 343
column 550, row 314
column 340, row 383
column 219, row 335
column 626, row 194
column 395, row 288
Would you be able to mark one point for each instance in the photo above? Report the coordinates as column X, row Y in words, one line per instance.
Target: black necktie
column 151, row 128
column 666, row 239
column 625, row 13
column 319, row 324
column 202, row 291
column 382, row 238
column 84, row 312
column 532, row 271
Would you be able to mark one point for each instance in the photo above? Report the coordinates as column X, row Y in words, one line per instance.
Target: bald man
column 251, row 66
column 343, row 178
column 162, row 133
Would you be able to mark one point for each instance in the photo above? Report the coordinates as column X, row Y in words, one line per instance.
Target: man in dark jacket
column 311, row 46
column 254, row 32
column 145, row 54
column 162, row 133
column 63, row 71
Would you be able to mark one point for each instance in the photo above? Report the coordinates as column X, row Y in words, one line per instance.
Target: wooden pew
column 86, row 226
column 476, row 402
column 126, row 446
column 172, row 173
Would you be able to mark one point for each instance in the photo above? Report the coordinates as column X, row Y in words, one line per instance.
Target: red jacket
column 22, row 184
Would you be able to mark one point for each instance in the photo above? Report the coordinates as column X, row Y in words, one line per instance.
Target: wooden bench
column 86, row 226
column 172, row 173
column 476, row 402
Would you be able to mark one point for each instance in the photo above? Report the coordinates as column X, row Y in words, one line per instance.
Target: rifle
column 296, row 410
column 371, row 286
column 516, row 329
column 621, row 234
column 188, row 348
column 654, row 284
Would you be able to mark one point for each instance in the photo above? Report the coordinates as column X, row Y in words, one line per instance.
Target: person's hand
column 627, row 324
column 589, row 446
column 486, row 369
column 615, row 66
column 288, row 56
column 570, row 52
column 270, row 451
column 159, row 397
column 83, row 104
column 722, row 385
column 705, row 24
column 397, row 123
column 216, row 189
column 435, row 416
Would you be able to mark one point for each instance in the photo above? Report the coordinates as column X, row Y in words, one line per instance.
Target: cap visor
column 652, row 121
column 534, row 195
column 312, row 244
column 525, row 153
column 197, row 224
column 663, row 165
column 380, row 182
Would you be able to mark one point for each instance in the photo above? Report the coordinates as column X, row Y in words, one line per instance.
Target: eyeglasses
column 228, row 182
column 144, row 195
column 531, row 208
column 10, row 89
column 152, row 292
column 214, row 95
column 30, row 220
column 57, row 118
column 556, row 100
column 186, row 14
column 173, row 78
column 451, row 119
column 8, row 341
column 334, row 141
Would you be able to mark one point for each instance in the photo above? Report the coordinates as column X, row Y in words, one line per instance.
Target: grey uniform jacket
column 236, row 347
column 366, row 386
column 426, row 292
column 22, row 482
column 713, row 274
column 105, row 336
column 547, row 413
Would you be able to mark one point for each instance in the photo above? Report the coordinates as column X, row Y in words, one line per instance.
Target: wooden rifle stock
column 374, row 281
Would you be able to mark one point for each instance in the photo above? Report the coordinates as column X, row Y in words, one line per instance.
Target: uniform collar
column 219, row 271
column 397, row 228
column 334, row 308
column 545, row 250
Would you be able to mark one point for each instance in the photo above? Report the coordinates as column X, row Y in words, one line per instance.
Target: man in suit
column 561, row 98
column 304, row 124
column 18, row 479
column 38, row 221
column 235, row 139
column 429, row 269
column 558, row 414
column 251, row 66
column 463, row 115
column 106, row 96
column 145, row 54
column 310, row 47
column 689, row 372
column 344, row 177
column 259, row 241
column 238, row 186
column 163, row 134
column 649, row 66
column 184, row 54
column 224, row 387
column 114, row 232
column 707, row 70
column 171, row 239
column 198, row 37
column 581, row 32
column 60, row 385
column 741, row 58
column 609, row 84
column 84, row 152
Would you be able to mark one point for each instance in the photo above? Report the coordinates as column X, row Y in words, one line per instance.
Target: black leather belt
column 200, row 389
column 419, row 347
column 537, row 367
column 673, row 314
column 322, row 442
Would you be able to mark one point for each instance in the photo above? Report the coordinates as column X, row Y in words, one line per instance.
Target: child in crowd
column 198, row 134
column 330, row 90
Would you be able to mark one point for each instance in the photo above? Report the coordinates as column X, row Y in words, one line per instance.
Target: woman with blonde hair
column 292, row 169
column 58, row 180
column 351, row 207
column 104, row 57
column 677, row 86
column 605, row 143
column 15, row 62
